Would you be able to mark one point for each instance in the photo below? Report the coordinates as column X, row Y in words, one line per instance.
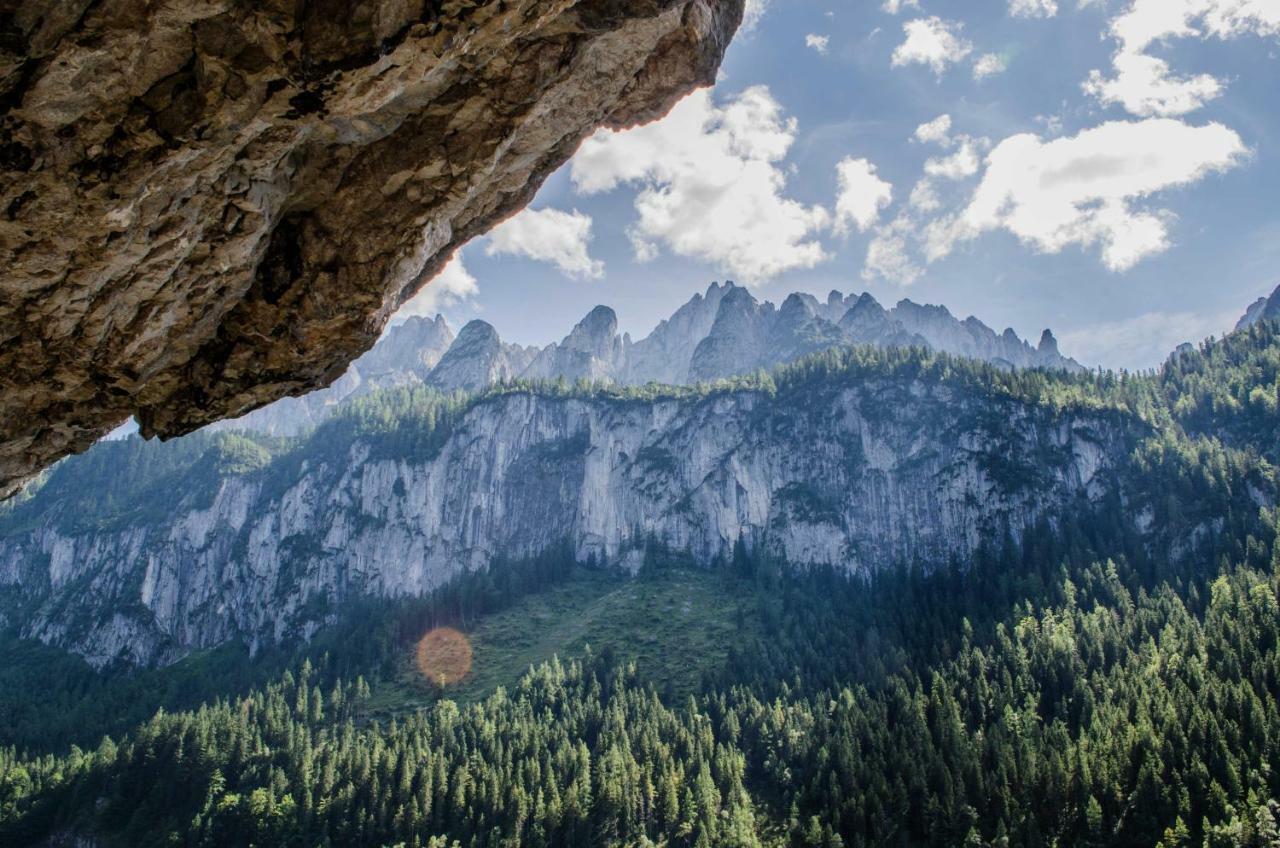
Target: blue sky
column 1107, row 169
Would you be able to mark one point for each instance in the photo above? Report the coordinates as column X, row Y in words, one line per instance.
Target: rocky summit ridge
column 720, row 333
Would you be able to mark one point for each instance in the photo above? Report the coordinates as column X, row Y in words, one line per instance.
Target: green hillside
column 1082, row 685
column 676, row 626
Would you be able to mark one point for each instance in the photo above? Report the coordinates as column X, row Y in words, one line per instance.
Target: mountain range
column 406, row 474
column 1043, row 602
column 724, row 332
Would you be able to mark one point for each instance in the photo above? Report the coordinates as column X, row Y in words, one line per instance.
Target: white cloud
column 924, row 197
column 1033, row 8
column 959, row 165
column 1084, row 190
column 893, row 7
column 548, row 235
column 711, row 185
column 889, row 256
column 933, row 42
column 1146, row 85
column 752, row 12
column 1143, row 341
column 937, row 131
column 862, row 194
column 989, row 65
column 450, row 286
column 820, row 43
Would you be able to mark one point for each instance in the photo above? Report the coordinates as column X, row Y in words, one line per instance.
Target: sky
column 1105, row 168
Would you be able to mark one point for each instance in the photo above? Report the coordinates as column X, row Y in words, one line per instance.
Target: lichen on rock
column 213, row 204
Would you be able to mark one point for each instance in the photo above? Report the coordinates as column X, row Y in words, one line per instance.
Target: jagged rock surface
column 212, row 205
column 592, row 351
column 871, row 472
column 477, row 359
column 664, row 355
column 722, row 333
column 1262, row 309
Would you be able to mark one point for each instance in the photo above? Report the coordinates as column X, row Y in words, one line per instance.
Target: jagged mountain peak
column 866, row 303
column 906, row 305
column 599, row 324
column 477, row 330
column 797, row 302
column 721, row 332
column 1265, row 308
column 1048, row 342
column 477, row 359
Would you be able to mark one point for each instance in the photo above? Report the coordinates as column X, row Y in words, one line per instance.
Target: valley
column 1087, row 562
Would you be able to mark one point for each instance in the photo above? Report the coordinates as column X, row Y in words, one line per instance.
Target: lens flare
column 444, row 656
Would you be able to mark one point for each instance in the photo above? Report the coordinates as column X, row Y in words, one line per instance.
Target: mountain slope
column 860, row 459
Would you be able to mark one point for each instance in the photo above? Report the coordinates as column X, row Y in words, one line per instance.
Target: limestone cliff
column 209, row 538
column 209, row 205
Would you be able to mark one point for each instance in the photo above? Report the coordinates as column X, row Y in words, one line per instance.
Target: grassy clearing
column 675, row 624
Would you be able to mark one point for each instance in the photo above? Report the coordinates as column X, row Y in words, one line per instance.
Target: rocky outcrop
column 211, row 205
column 592, row 351
column 477, row 359
column 861, row 473
column 1262, row 309
column 664, row 355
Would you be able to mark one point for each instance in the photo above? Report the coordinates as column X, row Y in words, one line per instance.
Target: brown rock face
column 206, row 205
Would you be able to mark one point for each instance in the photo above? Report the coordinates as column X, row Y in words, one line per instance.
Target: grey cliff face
column 476, row 360
column 736, row 342
column 664, row 355
column 592, row 351
column 872, row 472
column 215, row 205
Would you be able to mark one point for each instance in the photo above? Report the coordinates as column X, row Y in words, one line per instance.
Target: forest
column 1080, row 685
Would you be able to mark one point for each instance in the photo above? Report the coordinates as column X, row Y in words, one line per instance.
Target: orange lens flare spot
column 444, row 656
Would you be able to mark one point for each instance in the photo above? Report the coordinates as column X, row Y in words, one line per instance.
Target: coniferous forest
column 1078, row 685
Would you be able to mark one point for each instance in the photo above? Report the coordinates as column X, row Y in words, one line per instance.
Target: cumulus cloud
column 752, row 12
column 937, row 131
column 548, row 235
column 889, row 255
column 959, row 165
column 924, row 197
column 1143, row 341
column 862, row 194
column 1146, row 85
column 452, row 285
column 711, row 185
column 820, row 43
column 989, row 65
column 894, row 246
column 931, row 41
column 1033, row 8
column 1086, row 190
column 893, row 7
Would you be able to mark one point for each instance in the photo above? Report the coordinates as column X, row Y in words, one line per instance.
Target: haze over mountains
column 724, row 332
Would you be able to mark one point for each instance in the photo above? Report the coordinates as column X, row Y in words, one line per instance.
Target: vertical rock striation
column 857, row 472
